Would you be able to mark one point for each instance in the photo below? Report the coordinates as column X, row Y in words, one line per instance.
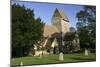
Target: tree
column 26, row 30
column 86, row 26
column 72, row 29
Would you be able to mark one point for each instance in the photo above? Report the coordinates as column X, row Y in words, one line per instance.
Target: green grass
column 53, row 59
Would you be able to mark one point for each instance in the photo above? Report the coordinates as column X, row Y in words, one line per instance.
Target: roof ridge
column 62, row 14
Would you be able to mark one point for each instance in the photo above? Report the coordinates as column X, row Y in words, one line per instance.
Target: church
column 58, row 36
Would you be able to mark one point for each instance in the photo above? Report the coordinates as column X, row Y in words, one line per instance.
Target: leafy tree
column 86, row 26
column 26, row 30
column 72, row 29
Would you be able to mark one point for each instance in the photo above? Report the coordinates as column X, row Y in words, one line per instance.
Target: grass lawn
column 53, row 59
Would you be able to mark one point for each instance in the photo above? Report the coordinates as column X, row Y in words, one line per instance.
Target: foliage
column 86, row 26
column 26, row 30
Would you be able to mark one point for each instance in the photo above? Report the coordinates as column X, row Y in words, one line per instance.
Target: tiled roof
column 49, row 30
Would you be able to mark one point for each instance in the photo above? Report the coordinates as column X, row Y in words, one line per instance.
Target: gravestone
column 86, row 52
column 51, row 51
column 40, row 55
column 61, row 58
column 21, row 63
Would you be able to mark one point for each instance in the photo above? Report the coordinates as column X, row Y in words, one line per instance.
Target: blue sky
column 46, row 10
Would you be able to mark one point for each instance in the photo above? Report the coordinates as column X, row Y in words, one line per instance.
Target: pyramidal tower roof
column 63, row 16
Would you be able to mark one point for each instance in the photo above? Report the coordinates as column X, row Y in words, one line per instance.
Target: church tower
column 60, row 21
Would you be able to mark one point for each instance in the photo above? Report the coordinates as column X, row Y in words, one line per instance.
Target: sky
column 45, row 10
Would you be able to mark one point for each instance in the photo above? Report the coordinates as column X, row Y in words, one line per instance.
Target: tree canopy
column 26, row 30
column 86, row 26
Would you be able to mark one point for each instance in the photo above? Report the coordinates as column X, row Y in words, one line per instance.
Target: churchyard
column 53, row 59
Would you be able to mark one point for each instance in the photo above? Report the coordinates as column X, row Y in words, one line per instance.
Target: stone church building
column 57, row 37
column 59, row 23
